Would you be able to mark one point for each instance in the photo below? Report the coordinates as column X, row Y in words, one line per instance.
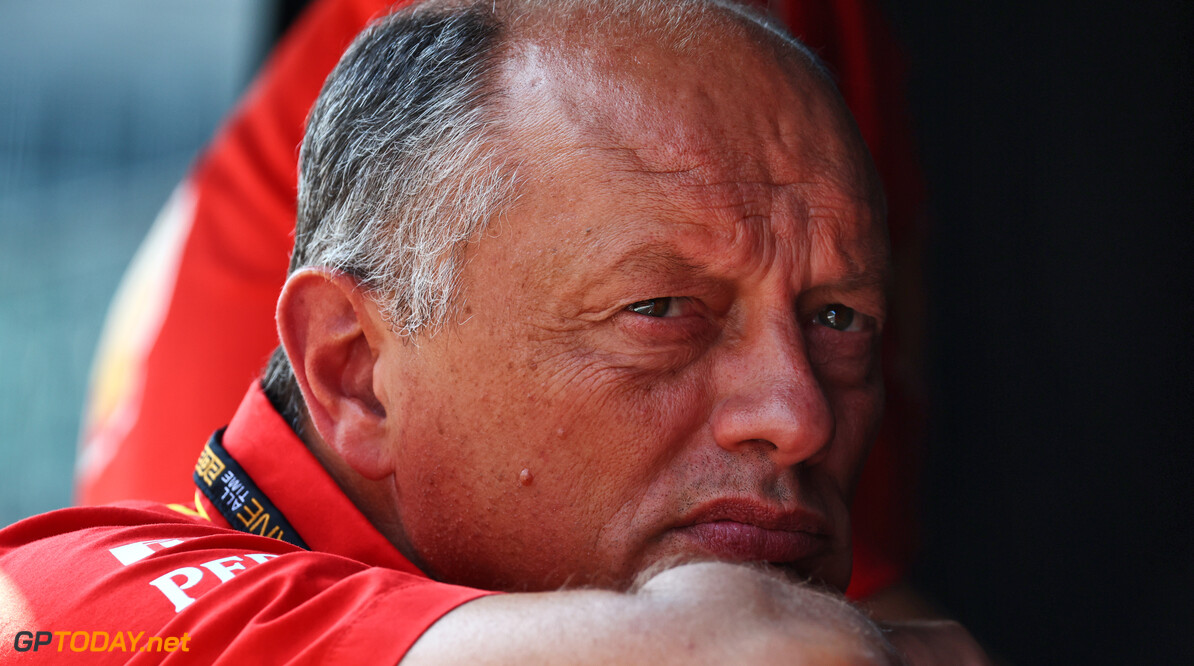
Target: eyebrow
column 650, row 258
column 856, row 280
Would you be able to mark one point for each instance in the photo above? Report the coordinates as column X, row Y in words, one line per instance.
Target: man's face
column 667, row 348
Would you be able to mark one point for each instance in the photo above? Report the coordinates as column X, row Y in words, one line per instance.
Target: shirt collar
column 286, row 471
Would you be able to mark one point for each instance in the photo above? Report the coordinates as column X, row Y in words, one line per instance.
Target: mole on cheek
column 526, row 478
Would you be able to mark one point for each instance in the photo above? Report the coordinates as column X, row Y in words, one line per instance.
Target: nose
column 770, row 397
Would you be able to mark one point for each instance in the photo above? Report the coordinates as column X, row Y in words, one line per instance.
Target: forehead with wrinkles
column 725, row 118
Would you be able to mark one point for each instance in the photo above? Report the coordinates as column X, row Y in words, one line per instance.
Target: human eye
column 666, row 307
column 840, row 318
column 843, row 342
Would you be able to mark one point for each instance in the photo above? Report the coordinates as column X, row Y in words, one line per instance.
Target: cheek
column 593, row 440
column 624, row 434
column 614, row 432
column 858, row 411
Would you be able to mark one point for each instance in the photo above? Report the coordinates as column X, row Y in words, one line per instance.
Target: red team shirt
column 179, row 571
column 193, row 322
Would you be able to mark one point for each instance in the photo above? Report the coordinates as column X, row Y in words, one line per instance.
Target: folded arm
column 694, row 614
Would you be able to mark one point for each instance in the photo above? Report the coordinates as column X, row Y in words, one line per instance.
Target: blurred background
column 102, row 108
column 1057, row 146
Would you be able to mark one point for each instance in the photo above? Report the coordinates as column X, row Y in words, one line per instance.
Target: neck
column 377, row 499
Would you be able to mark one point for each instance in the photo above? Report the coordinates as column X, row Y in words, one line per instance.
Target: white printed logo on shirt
column 135, row 552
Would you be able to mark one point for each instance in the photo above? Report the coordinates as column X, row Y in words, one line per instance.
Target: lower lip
column 740, row 542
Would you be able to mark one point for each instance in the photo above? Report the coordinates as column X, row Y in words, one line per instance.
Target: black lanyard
column 232, row 491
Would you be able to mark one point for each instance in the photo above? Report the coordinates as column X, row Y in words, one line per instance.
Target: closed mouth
column 745, row 530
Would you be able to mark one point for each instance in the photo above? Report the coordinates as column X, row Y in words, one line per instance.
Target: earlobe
column 330, row 330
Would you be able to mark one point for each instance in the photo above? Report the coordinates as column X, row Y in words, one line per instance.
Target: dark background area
column 1056, row 141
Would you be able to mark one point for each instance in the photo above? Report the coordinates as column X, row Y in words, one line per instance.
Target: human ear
column 333, row 335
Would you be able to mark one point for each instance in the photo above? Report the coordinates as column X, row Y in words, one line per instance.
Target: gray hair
column 394, row 171
column 400, row 168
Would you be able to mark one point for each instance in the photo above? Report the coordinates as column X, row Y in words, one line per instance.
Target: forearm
column 701, row 613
